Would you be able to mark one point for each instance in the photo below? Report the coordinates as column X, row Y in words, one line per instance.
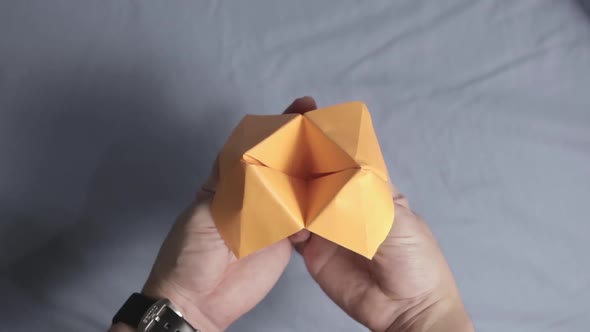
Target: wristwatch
column 151, row 315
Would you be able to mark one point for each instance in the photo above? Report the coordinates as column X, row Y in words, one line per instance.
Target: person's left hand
column 200, row 275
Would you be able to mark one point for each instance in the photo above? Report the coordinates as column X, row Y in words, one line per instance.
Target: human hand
column 200, row 275
column 408, row 285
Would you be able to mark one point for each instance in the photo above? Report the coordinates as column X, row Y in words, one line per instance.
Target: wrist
column 182, row 302
column 439, row 315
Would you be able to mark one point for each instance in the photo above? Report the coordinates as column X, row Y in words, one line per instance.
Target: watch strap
column 133, row 310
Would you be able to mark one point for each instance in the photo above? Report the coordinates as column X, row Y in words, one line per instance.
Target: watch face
column 152, row 315
column 163, row 317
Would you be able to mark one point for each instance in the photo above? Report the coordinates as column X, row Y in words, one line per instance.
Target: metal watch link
column 150, row 315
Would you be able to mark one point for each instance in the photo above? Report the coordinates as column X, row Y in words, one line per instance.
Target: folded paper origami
column 322, row 171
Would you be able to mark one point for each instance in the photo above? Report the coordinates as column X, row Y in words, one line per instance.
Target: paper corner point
column 359, row 104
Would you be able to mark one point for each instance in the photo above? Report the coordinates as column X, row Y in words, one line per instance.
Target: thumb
column 210, row 186
column 300, row 239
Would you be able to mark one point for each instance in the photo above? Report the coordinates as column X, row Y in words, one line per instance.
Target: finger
column 398, row 197
column 253, row 275
column 410, row 252
column 208, row 189
column 342, row 274
column 408, row 225
column 299, row 239
column 301, row 105
column 317, row 253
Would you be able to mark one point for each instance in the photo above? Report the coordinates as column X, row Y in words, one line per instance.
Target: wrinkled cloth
column 111, row 113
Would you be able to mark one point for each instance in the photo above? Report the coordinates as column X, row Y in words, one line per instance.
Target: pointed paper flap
column 324, row 156
column 284, row 150
column 250, row 131
column 322, row 192
column 359, row 216
column 349, row 126
column 271, row 209
column 226, row 206
column 378, row 209
column 368, row 151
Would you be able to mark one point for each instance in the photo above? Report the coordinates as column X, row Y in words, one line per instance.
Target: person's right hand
column 408, row 285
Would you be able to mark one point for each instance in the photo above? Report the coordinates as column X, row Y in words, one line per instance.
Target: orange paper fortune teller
column 322, row 171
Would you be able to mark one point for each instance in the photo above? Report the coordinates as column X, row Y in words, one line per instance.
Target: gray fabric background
column 111, row 112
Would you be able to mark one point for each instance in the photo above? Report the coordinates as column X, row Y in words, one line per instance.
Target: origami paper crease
column 322, row 171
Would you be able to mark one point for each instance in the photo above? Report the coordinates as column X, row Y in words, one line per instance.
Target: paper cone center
column 301, row 151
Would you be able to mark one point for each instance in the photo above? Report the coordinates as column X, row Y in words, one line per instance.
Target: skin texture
column 408, row 286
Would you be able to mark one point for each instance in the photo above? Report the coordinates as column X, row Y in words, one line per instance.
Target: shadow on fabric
column 111, row 160
column 586, row 5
